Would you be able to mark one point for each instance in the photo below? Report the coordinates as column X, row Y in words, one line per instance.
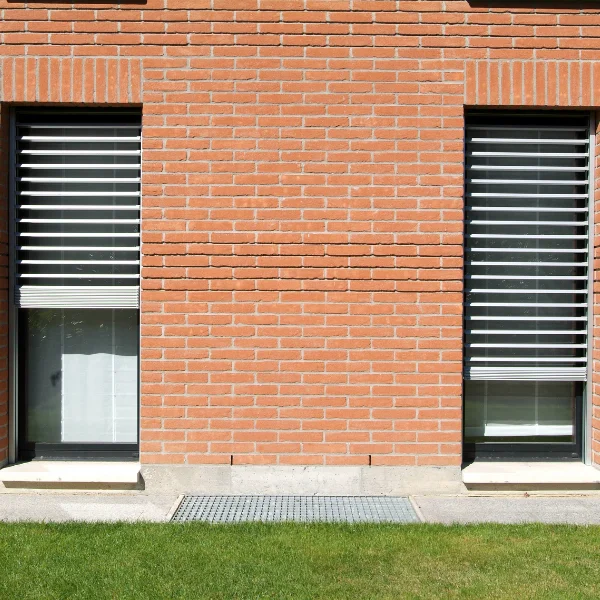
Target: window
column 76, row 273
column 526, row 282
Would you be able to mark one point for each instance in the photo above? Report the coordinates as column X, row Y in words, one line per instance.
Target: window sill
column 526, row 475
column 71, row 474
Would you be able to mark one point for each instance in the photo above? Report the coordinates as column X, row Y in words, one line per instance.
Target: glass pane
column 521, row 411
column 79, row 375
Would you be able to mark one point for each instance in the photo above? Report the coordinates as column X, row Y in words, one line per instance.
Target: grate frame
column 301, row 509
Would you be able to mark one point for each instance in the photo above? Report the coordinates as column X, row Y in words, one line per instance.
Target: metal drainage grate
column 344, row 509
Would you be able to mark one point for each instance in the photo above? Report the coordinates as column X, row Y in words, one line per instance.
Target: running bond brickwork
column 302, row 194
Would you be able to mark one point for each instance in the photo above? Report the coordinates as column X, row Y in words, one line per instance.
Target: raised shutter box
column 526, row 242
column 78, row 196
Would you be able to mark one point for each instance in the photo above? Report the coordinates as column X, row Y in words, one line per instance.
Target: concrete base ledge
column 530, row 475
column 72, row 475
column 301, row 480
column 484, row 477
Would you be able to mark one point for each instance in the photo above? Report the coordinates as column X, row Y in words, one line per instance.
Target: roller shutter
column 77, row 214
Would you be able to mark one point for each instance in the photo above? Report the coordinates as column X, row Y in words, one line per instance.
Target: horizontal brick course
column 302, row 205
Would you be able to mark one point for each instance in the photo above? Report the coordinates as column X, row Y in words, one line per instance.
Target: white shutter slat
column 535, row 130
column 528, row 359
column 524, row 374
column 78, row 138
column 79, row 207
column 81, row 179
column 530, row 304
column 525, row 264
column 65, row 125
column 528, row 168
column 83, row 263
column 38, row 152
column 86, row 166
column 56, row 265
column 524, row 140
column 529, row 223
column 522, row 291
column 82, row 194
column 81, row 248
column 531, row 277
column 525, row 236
column 529, row 181
column 537, row 209
column 516, row 346
column 522, row 195
column 88, row 221
column 526, row 332
column 530, row 154
column 87, row 234
column 530, row 250
column 79, row 276
column 528, row 318
column 36, row 296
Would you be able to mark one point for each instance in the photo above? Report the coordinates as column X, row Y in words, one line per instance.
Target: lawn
column 253, row 561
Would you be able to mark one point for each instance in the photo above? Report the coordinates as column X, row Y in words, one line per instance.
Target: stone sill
column 530, row 475
column 72, row 474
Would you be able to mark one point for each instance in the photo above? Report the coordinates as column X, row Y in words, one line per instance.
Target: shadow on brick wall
column 570, row 5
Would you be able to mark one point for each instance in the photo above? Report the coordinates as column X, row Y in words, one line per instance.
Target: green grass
column 196, row 561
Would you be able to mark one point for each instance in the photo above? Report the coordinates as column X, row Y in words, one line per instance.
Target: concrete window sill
column 565, row 475
column 71, row 474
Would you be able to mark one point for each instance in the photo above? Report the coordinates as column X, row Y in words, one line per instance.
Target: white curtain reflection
column 81, row 375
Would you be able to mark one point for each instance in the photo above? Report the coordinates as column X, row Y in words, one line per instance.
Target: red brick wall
column 302, row 212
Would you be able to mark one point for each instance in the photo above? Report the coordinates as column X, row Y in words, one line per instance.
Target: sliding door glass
column 76, row 255
column 526, row 280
